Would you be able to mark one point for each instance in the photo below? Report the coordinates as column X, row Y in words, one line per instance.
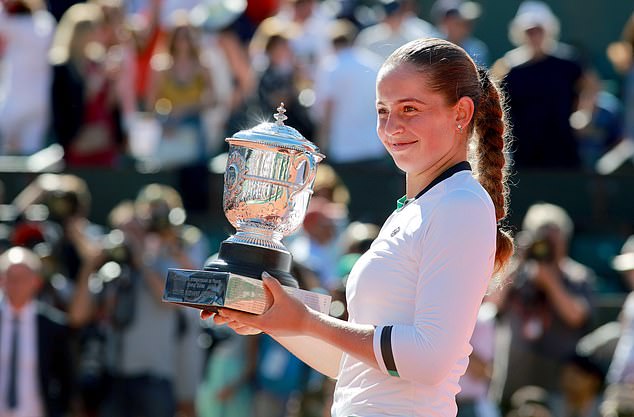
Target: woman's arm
column 240, row 67
column 316, row 353
column 573, row 309
column 315, row 338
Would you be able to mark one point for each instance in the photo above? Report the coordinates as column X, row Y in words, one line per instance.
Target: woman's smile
column 401, row 146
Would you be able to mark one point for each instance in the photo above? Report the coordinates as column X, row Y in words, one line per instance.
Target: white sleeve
column 323, row 88
column 457, row 253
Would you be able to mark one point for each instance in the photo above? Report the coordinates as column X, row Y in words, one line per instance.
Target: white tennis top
column 421, row 284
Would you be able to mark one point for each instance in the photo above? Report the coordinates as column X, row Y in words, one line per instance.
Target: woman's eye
column 408, row 109
column 381, row 112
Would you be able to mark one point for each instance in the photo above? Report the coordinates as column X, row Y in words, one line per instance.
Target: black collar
column 460, row 166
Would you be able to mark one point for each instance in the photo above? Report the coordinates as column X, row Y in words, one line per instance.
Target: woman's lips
column 401, row 146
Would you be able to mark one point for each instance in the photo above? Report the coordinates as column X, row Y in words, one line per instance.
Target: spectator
column 121, row 54
column 455, row 20
column 597, row 121
column 227, row 387
column 329, row 185
column 156, row 365
column 179, row 91
column 581, row 387
column 547, row 308
column 622, row 367
column 233, row 78
column 26, row 31
column 310, row 45
column 70, row 236
column 346, row 101
column 146, row 37
column 280, row 379
column 542, row 78
column 35, row 361
column 621, row 54
column 394, row 30
column 316, row 246
column 345, row 112
column 530, row 401
column 278, row 83
column 91, row 133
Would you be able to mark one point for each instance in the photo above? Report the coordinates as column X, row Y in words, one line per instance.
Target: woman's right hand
column 237, row 327
column 285, row 316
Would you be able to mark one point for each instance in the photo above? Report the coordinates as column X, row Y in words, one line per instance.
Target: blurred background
column 113, row 115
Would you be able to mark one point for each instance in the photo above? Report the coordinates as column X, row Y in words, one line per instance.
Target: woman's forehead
column 404, row 80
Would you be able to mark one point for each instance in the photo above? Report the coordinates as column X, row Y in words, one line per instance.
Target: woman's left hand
column 286, row 315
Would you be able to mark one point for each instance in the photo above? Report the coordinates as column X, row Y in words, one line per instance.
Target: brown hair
column 190, row 35
column 450, row 71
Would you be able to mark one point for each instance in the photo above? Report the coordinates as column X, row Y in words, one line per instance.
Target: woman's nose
column 392, row 125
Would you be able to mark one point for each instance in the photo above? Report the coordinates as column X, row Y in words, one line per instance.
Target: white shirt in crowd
column 348, row 80
column 622, row 366
column 421, row 284
column 25, row 78
column 28, row 389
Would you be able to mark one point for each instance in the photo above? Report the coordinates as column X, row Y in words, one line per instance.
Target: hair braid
column 492, row 167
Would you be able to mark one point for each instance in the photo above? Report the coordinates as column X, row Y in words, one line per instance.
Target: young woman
column 86, row 116
column 413, row 297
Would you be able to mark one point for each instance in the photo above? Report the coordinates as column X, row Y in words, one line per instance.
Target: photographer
column 153, row 355
column 546, row 308
column 51, row 217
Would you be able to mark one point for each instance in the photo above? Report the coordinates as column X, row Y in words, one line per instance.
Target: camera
column 541, row 250
column 536, row 249
column 61, row 205
column 116, row 247
column 118, row 275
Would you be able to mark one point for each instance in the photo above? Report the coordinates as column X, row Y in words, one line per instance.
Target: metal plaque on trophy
column 268, row 183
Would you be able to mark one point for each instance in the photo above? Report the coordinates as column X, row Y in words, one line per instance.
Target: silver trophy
column 268, row 183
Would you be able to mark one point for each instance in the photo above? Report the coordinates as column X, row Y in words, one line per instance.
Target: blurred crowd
column 157, row 85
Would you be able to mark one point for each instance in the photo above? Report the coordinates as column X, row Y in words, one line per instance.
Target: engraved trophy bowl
column 268, row 183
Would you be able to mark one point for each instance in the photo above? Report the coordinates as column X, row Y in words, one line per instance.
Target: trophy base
column 209, row 290
column 250, row 261
column 224, row 280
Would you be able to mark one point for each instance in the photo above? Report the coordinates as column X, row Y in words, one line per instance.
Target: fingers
column 237, row 326
column 241, row 329
column 235, row 315
column 235, row 320
column 272, row 284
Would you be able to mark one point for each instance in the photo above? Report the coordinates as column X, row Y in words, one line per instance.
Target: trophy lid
column 276, row 134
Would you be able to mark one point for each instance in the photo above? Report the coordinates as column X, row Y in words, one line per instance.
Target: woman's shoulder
column 459, row 202
column 463, row 192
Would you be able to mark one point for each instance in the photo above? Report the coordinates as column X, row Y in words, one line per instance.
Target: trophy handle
column 310, row 171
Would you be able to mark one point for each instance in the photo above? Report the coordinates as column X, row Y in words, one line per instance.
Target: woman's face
column 415, row 124
column 87, row 34
column 183, row 40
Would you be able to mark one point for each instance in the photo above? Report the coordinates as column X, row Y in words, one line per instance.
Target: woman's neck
column 415, row 183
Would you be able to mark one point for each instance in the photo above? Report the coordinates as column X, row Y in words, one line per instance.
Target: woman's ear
column 464, row 111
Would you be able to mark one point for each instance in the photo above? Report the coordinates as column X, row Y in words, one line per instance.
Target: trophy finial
column 280, row 116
